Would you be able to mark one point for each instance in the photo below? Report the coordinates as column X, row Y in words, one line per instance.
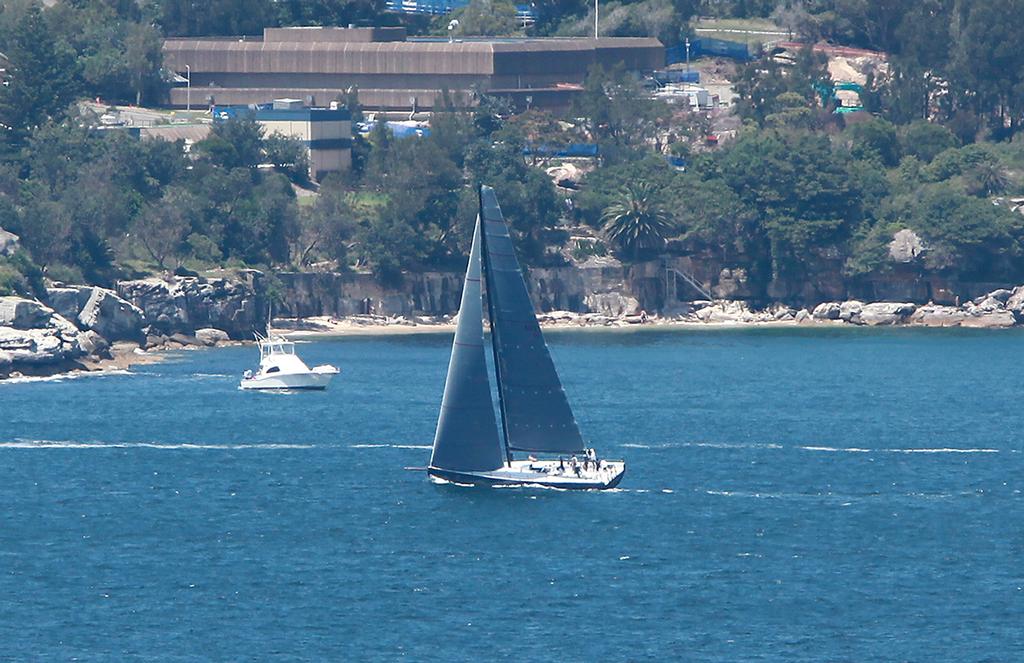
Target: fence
column 673, row 76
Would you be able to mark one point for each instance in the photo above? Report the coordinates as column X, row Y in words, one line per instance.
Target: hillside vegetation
column 800, row 191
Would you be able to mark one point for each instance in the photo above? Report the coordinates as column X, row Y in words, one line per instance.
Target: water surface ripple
column 791, row 494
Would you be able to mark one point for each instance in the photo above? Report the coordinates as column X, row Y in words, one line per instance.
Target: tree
column 329, row 227
column 617, row 114
column 988, row 178
column 184, row 18
column 800, row 188
column 234, row 143
column 636, row 220
column 486, row 17
column 873, row 138
column 964, row 235
column 926, row 140
column 529, row 201
column 603, row 186
column 289, row 155
column 42, row 81
column 709, row 212
column 990, row 63
column 161, row 228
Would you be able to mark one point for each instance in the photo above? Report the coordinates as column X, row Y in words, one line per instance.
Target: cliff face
column 607, row 287
column 182, row 305
column 600, row 288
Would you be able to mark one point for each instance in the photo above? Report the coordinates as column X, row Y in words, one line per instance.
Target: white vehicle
column 281, row 369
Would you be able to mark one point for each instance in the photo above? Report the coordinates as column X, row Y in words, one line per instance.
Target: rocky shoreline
column 87, row 328
column 999, row 309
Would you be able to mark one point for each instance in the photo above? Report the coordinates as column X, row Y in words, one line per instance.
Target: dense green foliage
column 800, row 192
column 72, row 50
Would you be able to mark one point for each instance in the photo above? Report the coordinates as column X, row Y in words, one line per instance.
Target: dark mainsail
column 535, row 411
column 467, row 432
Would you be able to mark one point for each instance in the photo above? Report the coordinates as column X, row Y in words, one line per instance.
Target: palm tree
column 636, row 220
column 991, row 178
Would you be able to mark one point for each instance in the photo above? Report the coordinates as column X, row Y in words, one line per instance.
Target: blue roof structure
column 524, row 13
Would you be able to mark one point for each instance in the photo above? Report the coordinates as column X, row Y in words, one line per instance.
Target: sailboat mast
column 494, row 330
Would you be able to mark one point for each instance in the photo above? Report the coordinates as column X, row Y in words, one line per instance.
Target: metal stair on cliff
column 672, row 276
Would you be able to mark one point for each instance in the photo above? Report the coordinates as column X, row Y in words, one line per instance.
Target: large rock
column 990, row 320
column 826, row 311
column 614, row 304
column 32, row 334
column 21, row 313
column 9, row 243
column 934, row 315
column 183, row 305
column 110, row 316
column 68, row 300
column 1002, row 295
column 727, row 313
column 905, row 246
column 210, row 336
column 885, row 313
column 93, row 344
column 1015, row 303
column 850, row 311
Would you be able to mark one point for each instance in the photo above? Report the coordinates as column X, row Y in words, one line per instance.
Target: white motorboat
column 535, row 414
column 281, row 369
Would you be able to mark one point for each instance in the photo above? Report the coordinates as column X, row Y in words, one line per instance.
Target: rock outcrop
column 9, row 243
column 33, row 335
column 184, row 304
column 110, row 316
column 209, row 336
column 905, row 246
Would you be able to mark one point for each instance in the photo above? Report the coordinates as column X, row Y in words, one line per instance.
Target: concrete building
column 326, row 132
column 392, row 72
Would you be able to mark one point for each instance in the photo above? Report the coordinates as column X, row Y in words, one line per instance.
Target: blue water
column 801, row 495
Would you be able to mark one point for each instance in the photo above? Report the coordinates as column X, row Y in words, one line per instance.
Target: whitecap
column 24, row 379
column 943, row 450
column 68, row 444
column 857, row 450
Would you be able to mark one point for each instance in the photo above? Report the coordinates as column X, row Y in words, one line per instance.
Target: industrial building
column 391, row 71
column 326, row 132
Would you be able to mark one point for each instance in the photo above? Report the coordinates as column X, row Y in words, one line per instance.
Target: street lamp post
column 188, row 88
column 595, row 18
column 687, row 55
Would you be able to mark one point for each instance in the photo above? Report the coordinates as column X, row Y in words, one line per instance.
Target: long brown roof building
column 391, row 71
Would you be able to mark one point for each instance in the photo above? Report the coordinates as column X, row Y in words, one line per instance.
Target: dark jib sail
column 535, row 411
column 467, row 432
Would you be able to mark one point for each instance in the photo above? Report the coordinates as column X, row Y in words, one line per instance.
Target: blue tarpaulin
column 710, row 47
column 676, row 76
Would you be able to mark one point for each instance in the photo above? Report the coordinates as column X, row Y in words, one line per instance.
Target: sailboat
column 535, row 414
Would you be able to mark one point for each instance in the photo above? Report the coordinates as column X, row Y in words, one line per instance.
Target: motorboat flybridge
column 281, row 369
column 535, row 413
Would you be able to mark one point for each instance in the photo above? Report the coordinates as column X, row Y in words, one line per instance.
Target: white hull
column 547, row 473
column 281, row 381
